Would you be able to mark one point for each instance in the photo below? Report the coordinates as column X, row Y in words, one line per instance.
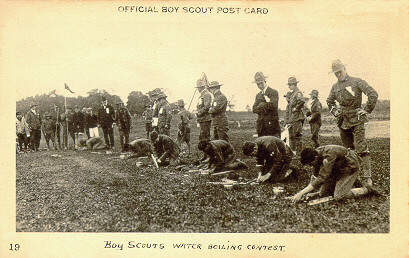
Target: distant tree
column 136, row 102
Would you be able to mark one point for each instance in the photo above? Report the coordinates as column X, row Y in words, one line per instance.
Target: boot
column 366, row 173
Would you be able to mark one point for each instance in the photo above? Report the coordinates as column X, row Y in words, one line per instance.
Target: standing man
column 314, row 117
column 296, row 116
column 164, row 115
column 22, row 131
column 92, row 122
column 203, row 117
column 56, row 117
column 184, row 125
column 351, row 116
column 266, row 107
column 79, row 123
column 147, row 116
column 218, row 112
column 33, row 120
column 49, row 130
column 106, row 117
column 155, row 110
column 68, row 126
column 124, row 121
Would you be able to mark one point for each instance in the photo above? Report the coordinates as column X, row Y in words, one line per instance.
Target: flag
column 204, row 80
column 68, row 88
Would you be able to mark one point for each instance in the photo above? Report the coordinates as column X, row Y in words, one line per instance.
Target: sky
column 95, row 46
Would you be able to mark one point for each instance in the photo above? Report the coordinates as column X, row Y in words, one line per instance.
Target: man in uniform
column 93, row 143
column 222, row 156
column 155, row 110
column 351, row 116
column 56, row 116
column 314, row 117
column 49, row 129
column 140, row 147
column 336, row 169
column 165, row 148
column 184, row 125
column 273, row 158
column 164, row 115
column 203, row 117
column 124, row 121
column 106, row 118
column 68, row 126
column 266, row 107
column 79, row 125
column 33, row 120
column 218, row 112
column 147, row 116
column 296, row 116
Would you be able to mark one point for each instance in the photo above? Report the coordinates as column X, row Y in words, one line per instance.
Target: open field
column 90, row 192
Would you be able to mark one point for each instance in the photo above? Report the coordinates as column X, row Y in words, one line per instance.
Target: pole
column 56, row 128
column 192, row 99
column 66, row 119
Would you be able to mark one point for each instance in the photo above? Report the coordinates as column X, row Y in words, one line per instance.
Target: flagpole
column 66, row 119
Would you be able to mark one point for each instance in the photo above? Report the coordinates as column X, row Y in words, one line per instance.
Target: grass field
column 89, row 192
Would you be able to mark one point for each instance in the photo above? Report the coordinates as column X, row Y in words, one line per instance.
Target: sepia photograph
column 190, row 119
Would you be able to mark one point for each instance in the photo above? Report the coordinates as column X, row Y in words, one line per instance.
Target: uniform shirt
column 296, row 103
column 348, row 94
column 218, row 108
column 336, row 160
column 141, row 146
column 266, row 106
column 21, row 126
column 147, row 115
column 91, row 120
column 223, row 153
column 164, row 115
column 316, row 109
column 271, row 148
column 185, row 116
column 165, row 145
column 95, row 143
column 106, row 116
column 49, row 126
column 123, row 118
column 203, row 106
column 33, row 120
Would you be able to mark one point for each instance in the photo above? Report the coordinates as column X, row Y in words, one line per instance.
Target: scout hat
column 215, row 84
column 181, row 103
column 337, row 65
column 162, row 96
column 200, row 84
column 314, row 93
column 259, row 77
column 32, row 104
column 292, row 80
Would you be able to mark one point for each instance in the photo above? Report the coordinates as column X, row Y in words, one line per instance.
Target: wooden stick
column 154, row 161
column 221, row 173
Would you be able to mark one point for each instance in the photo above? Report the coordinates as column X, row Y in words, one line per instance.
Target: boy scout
column 184, row 125
column 296, row 116
column 49, row 130
column 93, row 143
column 165, row 148
column 164, row 115
column 140, row 147
column 273, row 158
column 221, row 156
column 203, row 117
column 218, row 112
column 351, row 116
column 336, row 169
column 314, row 117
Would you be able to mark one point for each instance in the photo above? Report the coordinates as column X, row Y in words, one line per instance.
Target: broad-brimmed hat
column 314, row 93
column 162, row 96
column 181, row 103
column 292, row 80
column 32, row 104
column 215, row 84
column 155, row 93
column 337, row 65
column 200, row 83
column 259, row 77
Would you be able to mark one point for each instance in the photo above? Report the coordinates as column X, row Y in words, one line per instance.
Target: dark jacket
column 123, row 118
column 106, row 116
column 33, row 120
column 218, row 109
column 205, row 102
